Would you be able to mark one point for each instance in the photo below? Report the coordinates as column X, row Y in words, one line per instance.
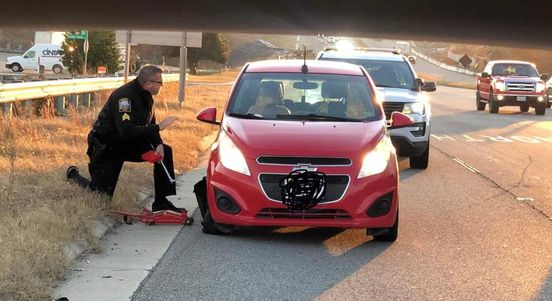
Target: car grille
column 275, row 213
column 335, row 186
column 390, row 107
column 521, row 87
column 304, row 160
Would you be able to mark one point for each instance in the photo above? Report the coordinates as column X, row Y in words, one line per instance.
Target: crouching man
column 125, row 129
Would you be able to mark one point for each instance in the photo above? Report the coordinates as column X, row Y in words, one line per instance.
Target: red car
column 302, row 143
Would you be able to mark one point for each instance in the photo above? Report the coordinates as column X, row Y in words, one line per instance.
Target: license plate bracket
column 521, row 98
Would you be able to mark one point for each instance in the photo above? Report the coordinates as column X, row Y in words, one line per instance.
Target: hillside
column 484, row 53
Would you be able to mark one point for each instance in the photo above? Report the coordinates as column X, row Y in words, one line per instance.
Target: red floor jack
column 158, row 217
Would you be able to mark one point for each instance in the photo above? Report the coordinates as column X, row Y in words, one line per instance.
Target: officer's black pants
column 105, row 172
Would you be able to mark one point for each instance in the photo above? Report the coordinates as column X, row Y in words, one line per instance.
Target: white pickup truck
column 47, row 55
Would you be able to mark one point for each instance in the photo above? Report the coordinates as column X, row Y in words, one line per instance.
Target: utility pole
column 182, row 68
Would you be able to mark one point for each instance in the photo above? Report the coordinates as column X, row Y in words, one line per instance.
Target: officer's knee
column 167, row 149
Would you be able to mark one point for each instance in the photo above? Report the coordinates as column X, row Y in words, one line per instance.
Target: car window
column 515, row 70
column 29, row 55
column 389, row 74
column 274, row 95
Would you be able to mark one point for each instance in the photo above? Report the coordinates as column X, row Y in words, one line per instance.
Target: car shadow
column 405, row 171
column 265, row 263
column 545, row 293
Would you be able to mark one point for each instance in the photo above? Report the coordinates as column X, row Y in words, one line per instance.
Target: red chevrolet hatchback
column 302, row 143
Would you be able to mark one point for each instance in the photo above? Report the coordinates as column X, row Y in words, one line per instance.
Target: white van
column 47, row 55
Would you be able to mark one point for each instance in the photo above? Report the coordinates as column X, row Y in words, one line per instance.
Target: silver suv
column 402, row 91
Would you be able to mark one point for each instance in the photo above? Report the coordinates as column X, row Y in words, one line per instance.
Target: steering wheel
column 322, row 107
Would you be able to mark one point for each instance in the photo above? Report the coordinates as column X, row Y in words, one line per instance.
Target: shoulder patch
column 124, row 105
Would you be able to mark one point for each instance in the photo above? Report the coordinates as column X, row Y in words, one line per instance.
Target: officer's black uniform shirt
column 128, row 117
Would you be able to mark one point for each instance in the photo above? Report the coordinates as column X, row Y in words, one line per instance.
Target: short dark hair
column 146, row 73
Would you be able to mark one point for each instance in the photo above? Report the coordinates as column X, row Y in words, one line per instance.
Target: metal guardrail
column 444, row 66
column 33, row 90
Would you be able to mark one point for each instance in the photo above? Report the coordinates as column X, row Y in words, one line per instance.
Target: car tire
column 388, row 234
column 57, row 69
column 480, row 105
column 540, row 109
column 549, row 98
column 16, row 67
column 420, row 162
column 209, row 225
column 493, row 106
column 524, row 108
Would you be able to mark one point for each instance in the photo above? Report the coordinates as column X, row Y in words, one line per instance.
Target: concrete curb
column 102, row 225
column 130, row 251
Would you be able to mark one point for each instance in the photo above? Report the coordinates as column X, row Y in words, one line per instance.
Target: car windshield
column 515, row 70
column 297, row 96
column 387, row 74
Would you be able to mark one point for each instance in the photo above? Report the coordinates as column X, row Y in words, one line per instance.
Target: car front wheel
column 420, row 162
column 386, row 234
column 16, row 68
column 540, row 109
column 493, row 105
column 480, row 105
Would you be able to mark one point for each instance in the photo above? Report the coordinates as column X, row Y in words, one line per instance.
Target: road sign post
column 86, row 46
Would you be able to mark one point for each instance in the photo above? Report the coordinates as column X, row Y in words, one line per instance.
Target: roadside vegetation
column 41, row 214
column 443, row 81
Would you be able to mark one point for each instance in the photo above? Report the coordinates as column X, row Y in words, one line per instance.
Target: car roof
column 294, row 66
column 362, row 54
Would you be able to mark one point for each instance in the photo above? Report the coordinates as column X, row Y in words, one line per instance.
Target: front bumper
column 517, row 100
column 257, row 209
column 8, row 66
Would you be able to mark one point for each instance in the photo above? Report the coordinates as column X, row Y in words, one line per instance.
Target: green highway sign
column 83, row 35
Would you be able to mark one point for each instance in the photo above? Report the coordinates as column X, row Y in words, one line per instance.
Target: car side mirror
column 545, row 76
column 208, row 115
column 429, row 87
column 485, row 74
column 400, row 120
column 412, row 59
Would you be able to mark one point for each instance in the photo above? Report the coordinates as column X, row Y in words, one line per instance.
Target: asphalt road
column 476, row 225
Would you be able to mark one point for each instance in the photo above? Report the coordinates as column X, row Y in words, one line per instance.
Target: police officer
column 125, row 129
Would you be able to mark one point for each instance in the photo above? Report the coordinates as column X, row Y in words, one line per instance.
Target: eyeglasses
column 156, row 81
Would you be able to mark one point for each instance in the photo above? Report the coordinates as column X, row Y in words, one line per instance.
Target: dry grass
column 444, row 82
column 41, row 213
column 225, row 76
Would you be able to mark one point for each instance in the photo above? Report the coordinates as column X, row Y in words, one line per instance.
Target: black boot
column 164, row 204
column 73, row 176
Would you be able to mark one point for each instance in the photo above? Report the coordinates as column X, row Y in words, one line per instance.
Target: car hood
column 303, row 138
column 527, row 79
column 401, row 95
column 10, row 59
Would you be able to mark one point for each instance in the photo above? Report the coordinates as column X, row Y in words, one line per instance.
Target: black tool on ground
column 303, row 189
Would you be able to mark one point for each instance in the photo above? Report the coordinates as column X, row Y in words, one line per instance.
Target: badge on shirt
column 126, row 117
column 124, row 105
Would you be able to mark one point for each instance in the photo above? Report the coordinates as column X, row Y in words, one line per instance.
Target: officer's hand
column 166, row 122
column 160, row 151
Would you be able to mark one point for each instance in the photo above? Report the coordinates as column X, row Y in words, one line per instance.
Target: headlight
column 230, row 155
column 500, row 86
column 540, row 87
column 377, row 159
column 413, row 108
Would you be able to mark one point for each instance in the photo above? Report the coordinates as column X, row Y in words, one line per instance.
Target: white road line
column 466, row 165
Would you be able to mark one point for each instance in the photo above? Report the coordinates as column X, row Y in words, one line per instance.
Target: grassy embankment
column 41, row 213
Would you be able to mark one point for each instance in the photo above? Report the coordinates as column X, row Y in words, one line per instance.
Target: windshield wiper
column 246, row 116
column 313, row 116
